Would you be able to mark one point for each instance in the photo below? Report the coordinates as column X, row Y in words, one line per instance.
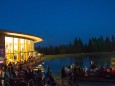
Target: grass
column 47, row 57
column 60, row 55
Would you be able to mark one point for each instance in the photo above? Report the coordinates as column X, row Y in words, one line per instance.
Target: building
column 16, row 47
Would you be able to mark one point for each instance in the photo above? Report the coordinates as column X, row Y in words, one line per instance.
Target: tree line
column 94, row 45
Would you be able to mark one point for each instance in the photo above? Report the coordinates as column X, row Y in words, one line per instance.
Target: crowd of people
column 23, row 74
column 72, row 73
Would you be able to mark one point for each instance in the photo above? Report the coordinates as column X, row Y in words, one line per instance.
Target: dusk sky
column 59, row 21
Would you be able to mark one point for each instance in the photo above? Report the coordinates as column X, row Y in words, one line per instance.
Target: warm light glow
column 28, row 41
column 21, row 41
column 15, row 40
column 19, row 46
column 17, row 49
column 36, row 39
column 8, row 39
column 39, row 54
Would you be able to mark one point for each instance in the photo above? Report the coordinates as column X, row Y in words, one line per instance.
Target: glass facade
column 18, row 49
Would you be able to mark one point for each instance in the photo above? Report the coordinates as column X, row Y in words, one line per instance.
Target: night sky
column 59, row 21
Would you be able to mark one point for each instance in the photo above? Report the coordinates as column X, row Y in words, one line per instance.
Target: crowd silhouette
column 23, row 74
column 72, row 74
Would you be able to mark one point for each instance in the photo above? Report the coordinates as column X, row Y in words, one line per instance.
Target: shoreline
column 58, row 78
column 46, row 57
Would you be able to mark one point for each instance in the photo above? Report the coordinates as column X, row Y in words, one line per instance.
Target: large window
column 15, row 45
column 9, row 45
column 17, row 49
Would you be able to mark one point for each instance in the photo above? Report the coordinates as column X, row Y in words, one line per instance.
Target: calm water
column 56, row 64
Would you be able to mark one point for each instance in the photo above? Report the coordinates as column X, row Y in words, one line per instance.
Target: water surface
column 56, row 64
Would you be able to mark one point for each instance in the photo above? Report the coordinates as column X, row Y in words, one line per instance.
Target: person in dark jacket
column 63, row 74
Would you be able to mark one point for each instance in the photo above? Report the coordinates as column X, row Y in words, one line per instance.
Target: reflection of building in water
column 16, row 47
column 113, row 62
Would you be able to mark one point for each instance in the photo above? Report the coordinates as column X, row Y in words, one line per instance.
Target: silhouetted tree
column 77, row 46
column 90, row 46
column 113, row 43
column 100, row 44
column 93, row 45
column 107, row 44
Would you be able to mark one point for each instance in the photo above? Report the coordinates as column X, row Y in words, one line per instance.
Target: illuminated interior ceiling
column 21, row 35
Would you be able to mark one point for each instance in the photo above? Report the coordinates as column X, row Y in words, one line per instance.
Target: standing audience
column 22, row 74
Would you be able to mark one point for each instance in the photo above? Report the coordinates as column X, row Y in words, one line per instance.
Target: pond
column 55, row 65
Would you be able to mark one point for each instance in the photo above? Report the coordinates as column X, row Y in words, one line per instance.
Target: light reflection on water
column 56, row 64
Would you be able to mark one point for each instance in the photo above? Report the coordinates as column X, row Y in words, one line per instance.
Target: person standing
column 63, row 74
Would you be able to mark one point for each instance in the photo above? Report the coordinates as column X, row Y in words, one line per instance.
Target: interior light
column 8, row 39
column 21, row 41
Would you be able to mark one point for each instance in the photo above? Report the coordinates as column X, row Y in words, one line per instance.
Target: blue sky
column 59, row 21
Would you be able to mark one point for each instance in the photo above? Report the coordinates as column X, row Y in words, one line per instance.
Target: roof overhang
column 21, row 35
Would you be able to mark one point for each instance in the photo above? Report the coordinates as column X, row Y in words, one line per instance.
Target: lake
column 56, row 64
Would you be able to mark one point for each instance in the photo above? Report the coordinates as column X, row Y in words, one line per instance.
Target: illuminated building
column 16, row 47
